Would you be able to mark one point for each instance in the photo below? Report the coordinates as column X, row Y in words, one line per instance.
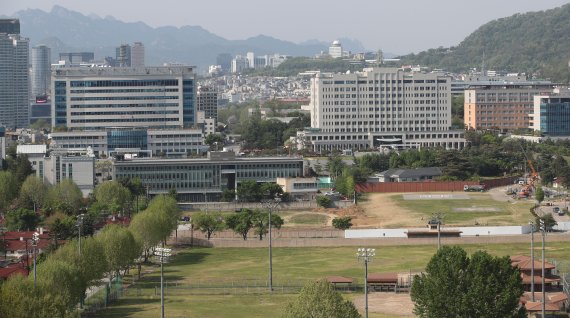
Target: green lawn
column 506, row 213
column 308, row 219
column 224, row 266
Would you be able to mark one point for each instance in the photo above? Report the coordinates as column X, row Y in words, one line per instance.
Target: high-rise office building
column 225, row 61
column 10, row 26
column 379, row 107
column 502, row 105
column 100, row 97
column 41, row 71
column 552, row 114
column 137, row 55
column 335, row 50
column 14, row 76
column 123, row 56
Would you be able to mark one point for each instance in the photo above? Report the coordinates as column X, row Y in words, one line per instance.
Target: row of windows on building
column 126, row 120
column 382, row 102
column 377, row 129
column 387, row 81
column 132, row 90
column 137, row 105
column 126, row 113
column 122, row 83
column 80, row 99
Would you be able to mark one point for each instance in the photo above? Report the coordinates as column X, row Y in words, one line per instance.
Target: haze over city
column 400, row 27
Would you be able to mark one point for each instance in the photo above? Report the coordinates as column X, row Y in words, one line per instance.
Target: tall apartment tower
column 207, row 101
column 14, row 75
column 137, row 55
column 41, row 70
column 123, row 55
column 225, row 61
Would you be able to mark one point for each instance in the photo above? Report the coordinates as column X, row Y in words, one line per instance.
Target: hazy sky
column 399, row 26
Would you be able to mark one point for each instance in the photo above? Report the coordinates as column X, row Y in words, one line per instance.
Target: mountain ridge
column 188, row 44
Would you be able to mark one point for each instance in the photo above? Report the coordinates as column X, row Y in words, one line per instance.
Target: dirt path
column 397, row 305
column 382, row 211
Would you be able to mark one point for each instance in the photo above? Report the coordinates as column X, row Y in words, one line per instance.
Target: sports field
column 228, row 267
column 389, row 210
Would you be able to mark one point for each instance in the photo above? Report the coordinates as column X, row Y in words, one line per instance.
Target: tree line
column 66, row 273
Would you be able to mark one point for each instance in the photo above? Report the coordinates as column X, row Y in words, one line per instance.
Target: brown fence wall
column 445, row 186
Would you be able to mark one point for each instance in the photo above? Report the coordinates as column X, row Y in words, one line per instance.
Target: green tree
column 271, row 190
column 342, row 223
column 249, row 191
column 40, row 124
column 8, row 189
column 208, row 222
column 113, row 195
column 228, row 195
column 319, row 299
column 260, row 220
column 549, row 221
column 19, row 165
column 539, row 194
column 33, row 192
column 120, row 249
column 65, row 197
column 61, row 276
column 480, row 286
column 22, row 220
column 213, row 138
column 324, row 201
column 240, row 222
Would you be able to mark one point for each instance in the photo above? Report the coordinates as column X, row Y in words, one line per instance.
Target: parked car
column 556, row 209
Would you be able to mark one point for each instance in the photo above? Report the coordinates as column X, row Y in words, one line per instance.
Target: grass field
column 224, row 266
column 308, row 219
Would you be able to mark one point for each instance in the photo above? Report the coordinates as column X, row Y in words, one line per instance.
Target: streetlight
column 79, row 224
column 531, row 223
column 437, row 218
column 270, row 204
column 365, row 255
column 162, row 255
column 543, row 230
column 35, row 240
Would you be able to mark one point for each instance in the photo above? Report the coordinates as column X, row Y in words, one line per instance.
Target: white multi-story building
column 239, row 64
column 335, row 50
column 154, row 141
column 94, row 98
column 137, row 55
column 380, row 106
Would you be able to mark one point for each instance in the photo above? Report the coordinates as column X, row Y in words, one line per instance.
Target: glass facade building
column 97, row 98
column 553, row 115
column 198, row 179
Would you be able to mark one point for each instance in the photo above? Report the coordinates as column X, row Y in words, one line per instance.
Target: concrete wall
column 562, row 226
column 494, row 230
column 375, row 233
column 466, row 231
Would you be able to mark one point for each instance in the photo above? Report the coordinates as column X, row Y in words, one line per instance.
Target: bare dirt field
column 389, row 303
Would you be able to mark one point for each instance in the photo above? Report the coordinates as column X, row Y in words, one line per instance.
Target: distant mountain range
column 537, row 43
column 65, row 30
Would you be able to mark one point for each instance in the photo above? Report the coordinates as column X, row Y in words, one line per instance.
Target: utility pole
column 270, row 205
column 531, row 259
column 543, row 230
column 35, row 240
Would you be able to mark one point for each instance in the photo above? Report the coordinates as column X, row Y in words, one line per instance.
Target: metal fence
column 103, row 298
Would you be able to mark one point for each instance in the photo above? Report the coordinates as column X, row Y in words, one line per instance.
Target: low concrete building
column 407, row 175
column 299, row 188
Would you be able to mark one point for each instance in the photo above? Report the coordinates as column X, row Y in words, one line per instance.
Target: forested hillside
column 537, row 43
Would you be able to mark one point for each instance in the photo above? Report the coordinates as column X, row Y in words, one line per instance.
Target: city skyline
column 333, row 20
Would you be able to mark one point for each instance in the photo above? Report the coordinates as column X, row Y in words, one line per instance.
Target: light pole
column 543, row 230
column 437, row 218
column 35, row 240
column 80, row 225
column 365, row 255
column 162, row 254
column 531, row 223
column 270, row 204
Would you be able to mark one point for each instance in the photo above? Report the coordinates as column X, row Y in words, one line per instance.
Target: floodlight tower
column 365, row 255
